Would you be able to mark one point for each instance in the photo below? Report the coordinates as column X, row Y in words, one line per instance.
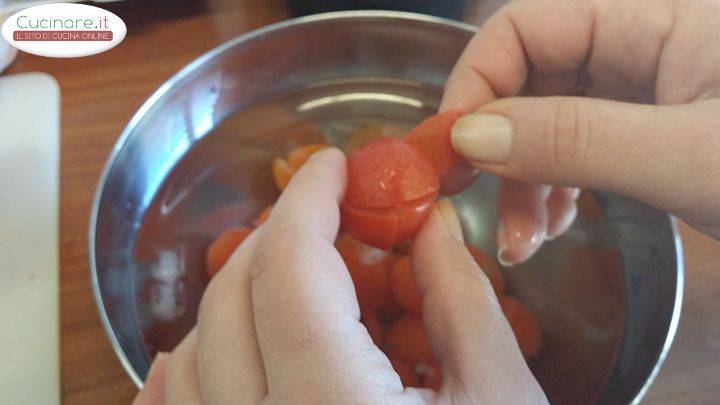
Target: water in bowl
column 574, row 283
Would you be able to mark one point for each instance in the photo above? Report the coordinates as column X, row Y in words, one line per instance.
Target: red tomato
column 390, row 191
column 223, row 247
column 432, row 137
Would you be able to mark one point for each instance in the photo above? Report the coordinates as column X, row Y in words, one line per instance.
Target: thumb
column 466, row 326
column 663, row 155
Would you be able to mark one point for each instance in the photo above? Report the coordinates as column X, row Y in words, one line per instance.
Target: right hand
column 616, row 95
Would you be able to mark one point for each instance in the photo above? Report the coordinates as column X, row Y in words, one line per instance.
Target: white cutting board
column 29, row 171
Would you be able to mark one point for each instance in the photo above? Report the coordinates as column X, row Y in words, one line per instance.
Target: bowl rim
column 198, row 62
column 172, row 81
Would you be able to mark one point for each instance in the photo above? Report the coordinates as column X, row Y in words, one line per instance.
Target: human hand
column 613, row 95
column 280, row 322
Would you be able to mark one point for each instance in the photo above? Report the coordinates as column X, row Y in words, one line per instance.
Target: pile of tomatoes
column 392, row 185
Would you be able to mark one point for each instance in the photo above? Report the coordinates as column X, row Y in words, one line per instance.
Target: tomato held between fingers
column 390, row 191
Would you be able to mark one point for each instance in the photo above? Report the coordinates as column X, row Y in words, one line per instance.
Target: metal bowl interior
column 195, row 160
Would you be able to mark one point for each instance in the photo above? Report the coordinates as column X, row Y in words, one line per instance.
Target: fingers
column 306, row 313
column 230, row 367
column 181, row 379
column 561, row 210
column 467, row 329
column 153, row 390
column 523, row 220
column 556, row 37
column 571, row 47
column 652, row 153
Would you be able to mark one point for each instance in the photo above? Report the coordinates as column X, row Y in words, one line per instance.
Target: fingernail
column 447, row 211
column 483, row 138
column 574, row 193
column 503, row 254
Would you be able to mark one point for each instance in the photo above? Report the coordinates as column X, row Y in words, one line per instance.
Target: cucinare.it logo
column 64, row 30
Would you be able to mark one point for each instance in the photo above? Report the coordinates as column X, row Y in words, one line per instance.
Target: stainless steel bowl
column 195, row 159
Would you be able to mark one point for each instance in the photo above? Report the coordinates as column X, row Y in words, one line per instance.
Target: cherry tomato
column 284, row 169
column 432, row 137
column 402, row 285
column 223, row 247
column 524, row 324
column 407, row 340
column 406, row 373
column 367, row 270
column 390, row 191
column 490, row 267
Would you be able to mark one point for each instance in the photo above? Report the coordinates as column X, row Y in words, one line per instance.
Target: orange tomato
column 524, row 324
column 301, row 154
column 402, row 285
column 223, row 247
column 368, row 272
column 407, row 340
column 284, row 169
column 490, row 267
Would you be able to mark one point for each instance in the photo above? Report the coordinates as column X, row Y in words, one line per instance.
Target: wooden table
column 101, row 92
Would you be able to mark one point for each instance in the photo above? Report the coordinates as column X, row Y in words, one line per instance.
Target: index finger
column 306, row 313
column 554, row 37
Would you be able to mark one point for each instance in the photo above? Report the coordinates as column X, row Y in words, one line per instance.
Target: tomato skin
column 388, row 172
column 223, row 247
column 490, row 267
column 375, row 227
column 390, row 190
column 524, row 325
column 432, row 137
